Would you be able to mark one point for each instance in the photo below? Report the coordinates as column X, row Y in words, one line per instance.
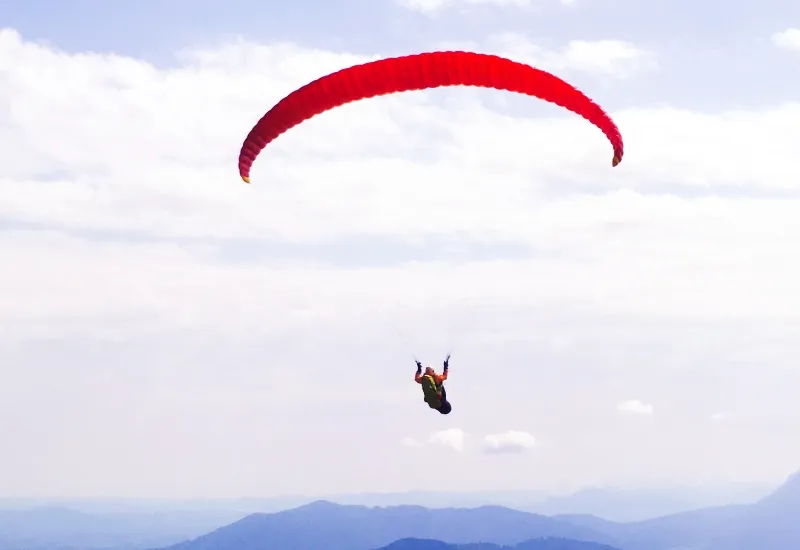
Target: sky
column 169, row 331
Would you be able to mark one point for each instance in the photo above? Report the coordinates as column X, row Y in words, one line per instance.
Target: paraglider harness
column 432, row 392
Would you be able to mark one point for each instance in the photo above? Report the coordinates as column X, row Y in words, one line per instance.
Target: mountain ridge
column 354, row 527
column 534, row 544
column 324, row 525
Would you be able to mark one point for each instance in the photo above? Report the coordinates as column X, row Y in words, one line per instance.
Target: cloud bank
column 511, row 441
column 508, row 442
column 788, row 39
column 430, row 7
column 634, row 406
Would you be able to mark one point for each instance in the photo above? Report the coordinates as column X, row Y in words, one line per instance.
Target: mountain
column 535, row 544
column 326, row 526
column 519, row 499
column 55, row 527
column 198, row 507
column 770, row 523
column 119, row 524
column 640, row 504
column 616, row 504
column 612, row 528
column 773, row 522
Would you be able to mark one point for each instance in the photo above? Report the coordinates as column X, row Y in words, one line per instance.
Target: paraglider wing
column 418, row 72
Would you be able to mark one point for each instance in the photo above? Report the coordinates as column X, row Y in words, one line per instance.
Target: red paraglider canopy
column 419, row 72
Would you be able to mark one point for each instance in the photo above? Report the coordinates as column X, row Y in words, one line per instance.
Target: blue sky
column 161, row 319
column 712, row 58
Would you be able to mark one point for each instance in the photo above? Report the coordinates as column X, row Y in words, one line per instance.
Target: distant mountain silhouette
column 536, row 544
column 613, row 528
column 610, row 503
column 626, row 505
column 326, row 526
column 787, row 496
column 772, row 523
column 56, row 527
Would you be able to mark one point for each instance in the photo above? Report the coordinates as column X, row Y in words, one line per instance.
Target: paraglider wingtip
column 615, row 161
column 246, row 179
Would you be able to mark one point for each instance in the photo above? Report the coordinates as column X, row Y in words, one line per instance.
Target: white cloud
column 616, row 59
column 609, row 57
column 788, row 39
column 429, row 7
column 452, row 438
column 719, row 416
column 146, row 166
column 634, row 406
column 509, row 442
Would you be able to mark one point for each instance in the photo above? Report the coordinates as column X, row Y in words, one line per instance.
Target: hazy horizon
column 167, row 331
column 677, row 497
column 622, row 505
